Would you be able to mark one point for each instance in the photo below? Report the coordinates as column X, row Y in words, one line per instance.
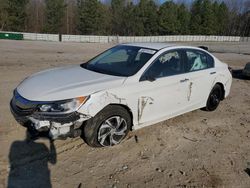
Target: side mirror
column 150, row 78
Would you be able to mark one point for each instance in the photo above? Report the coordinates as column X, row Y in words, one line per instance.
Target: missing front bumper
column 52, row 127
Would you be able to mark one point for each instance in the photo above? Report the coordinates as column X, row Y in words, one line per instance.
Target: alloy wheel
column 112, row 131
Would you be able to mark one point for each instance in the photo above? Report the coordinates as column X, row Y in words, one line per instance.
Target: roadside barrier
column 119, row 39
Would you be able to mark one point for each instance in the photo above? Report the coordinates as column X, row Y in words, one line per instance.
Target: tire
column 214, row 98
column 104, row 129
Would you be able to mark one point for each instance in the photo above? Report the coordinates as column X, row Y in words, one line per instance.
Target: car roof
column 151, row 45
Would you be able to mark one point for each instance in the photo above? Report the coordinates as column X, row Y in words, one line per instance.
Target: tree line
column 124, row 17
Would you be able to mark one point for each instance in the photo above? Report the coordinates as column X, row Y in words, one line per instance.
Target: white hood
column 65, row 83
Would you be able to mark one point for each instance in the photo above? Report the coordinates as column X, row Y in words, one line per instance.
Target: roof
column 151, row 45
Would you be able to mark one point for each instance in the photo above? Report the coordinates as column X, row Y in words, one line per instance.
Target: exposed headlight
column 61, row 107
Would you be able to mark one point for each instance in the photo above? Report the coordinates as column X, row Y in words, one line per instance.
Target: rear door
column 200, row 71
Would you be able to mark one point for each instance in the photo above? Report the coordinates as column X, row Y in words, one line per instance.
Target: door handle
column 185, row 80
column 212, row 73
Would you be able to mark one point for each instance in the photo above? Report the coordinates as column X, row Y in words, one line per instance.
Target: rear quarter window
column 198, row 60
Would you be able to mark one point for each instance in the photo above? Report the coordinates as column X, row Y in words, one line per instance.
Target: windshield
column 120, row 61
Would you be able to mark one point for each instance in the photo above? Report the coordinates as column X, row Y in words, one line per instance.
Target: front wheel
column 108, row 128
column 214, row 98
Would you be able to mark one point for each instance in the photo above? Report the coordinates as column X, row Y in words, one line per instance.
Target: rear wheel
column 108, row 128
column 214, row 98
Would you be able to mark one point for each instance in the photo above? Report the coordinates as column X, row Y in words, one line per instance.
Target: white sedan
column 125, row 88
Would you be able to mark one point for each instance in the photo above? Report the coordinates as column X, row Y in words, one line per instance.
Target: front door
column 162, row 89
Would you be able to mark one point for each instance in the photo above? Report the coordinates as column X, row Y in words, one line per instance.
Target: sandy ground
column 198, row 149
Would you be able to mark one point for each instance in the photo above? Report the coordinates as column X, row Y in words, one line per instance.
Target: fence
column 41, row 37
column 37, row 36
column 125, row 39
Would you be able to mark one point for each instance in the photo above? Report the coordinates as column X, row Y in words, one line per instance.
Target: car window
column 167, row 64
column 116, row 57
column 198, row 60
column 120, row 60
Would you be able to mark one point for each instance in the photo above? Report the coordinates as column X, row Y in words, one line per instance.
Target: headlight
column 61, row 107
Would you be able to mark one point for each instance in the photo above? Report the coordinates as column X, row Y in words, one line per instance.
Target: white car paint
column 146, row 100
column 149, row 102
column 65, row 83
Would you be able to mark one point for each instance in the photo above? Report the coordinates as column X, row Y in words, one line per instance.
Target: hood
column 65, row 83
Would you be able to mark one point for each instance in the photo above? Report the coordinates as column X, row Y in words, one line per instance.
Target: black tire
column 92, row 126
column 214, row 98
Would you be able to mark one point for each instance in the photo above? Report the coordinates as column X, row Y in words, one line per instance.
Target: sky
column 189, row 1
column 230, row 3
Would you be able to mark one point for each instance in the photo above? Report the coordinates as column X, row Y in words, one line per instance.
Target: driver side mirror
column 148, row 78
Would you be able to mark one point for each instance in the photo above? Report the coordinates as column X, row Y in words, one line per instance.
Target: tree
column 195, row 24
column 222, row 14
column 117, row 20
column 54, row 13
column 93, row 17
column 183, row 19
column 129, row 26
column 216, row 10
column 16, row 11
column 127, row 17
column 208, row 18
column 203, row 18
column 244, row 24
column 3, row 14
column 246, row 16
column 69, row 23
column 168, row 19
column 147, row 17
column 35, row 16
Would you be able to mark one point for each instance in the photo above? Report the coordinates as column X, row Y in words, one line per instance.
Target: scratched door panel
column 199, row 86
column 161, row 99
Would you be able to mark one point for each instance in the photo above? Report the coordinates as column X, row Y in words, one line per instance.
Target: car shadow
column 29, row 163
column 237, row 73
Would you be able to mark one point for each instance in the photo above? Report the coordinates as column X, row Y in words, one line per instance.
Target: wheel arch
column 127, row 109
column 222, row 88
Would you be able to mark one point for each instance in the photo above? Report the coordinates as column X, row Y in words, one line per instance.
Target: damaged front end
column 41, row 121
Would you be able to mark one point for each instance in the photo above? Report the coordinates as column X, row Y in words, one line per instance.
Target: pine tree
column 117, row 10
column 196, row 20
column 129, row 20
column 93, row 17
column 204, row 18
column 54, row 13
column 223, row 15
column 16, row 11
column 208, row 19
column 3, row 14
column 184, row 20
column 168, row 19
column 216, row 11
column 147, row 14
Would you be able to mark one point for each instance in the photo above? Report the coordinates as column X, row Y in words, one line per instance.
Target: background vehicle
column 127, row 87
column 246, row 70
